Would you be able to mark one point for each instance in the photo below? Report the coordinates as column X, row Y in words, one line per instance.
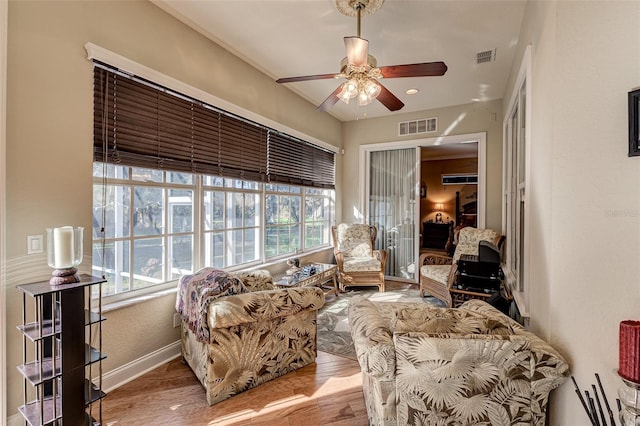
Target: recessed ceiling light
column 411, row 91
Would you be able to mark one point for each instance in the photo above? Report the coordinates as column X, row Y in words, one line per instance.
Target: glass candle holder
column 629, row 396
column 64, row 254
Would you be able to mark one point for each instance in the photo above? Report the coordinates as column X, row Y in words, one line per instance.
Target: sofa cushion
column 439, row 273
column 361, row 264
column 256, row 280
column 354, row 240
column 443, row 321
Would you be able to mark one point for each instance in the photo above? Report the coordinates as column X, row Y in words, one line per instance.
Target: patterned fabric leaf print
column 474, row 408
column 197, row 291
column 497, row 374
column 499, row 416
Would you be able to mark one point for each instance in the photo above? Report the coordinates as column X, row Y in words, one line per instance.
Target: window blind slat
column 138, row 123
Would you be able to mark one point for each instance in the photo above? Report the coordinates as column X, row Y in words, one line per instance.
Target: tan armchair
column 358, row 263
column 438, row 272
column 239, row 330
column 472, row 365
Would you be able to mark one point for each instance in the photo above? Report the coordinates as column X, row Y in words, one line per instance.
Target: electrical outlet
column 176, row 320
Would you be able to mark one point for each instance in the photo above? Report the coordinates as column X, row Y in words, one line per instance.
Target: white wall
column 50, row 133
column 584, row 199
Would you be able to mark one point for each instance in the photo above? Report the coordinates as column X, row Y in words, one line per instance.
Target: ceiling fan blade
column 357, row 51
column 388, row 99
column 427, row 69
column 330, row 101
column 305, row 78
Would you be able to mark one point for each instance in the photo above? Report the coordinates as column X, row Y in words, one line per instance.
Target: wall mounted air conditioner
column 460, row 179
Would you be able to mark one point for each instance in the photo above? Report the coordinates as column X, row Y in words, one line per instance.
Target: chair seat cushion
column 361, row 264
column 439, row 273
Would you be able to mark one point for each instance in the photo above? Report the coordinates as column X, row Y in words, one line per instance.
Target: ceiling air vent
column 486, row 56
column 459, row 179
column 425, row 125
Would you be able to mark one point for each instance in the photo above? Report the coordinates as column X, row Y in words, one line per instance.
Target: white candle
column 63, row 247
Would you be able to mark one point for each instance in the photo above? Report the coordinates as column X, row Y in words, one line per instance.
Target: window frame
column 515, row 184
column 199, row 230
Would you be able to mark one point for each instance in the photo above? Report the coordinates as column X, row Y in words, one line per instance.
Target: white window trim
column 98, row 53
column 480, row 138
column 522, row 298
column 364, row 178
column 95, row 52
column 4, row 23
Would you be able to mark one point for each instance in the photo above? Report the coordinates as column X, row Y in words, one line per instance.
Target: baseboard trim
column 134, row 369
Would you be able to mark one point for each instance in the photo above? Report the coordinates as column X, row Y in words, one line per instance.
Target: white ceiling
column 288, row 38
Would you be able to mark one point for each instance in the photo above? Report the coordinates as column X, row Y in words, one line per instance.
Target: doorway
column 448, row 194
column 409, row 215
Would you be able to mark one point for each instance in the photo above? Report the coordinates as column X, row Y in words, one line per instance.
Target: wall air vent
column 425, row 125
column 486, row 56
column 460, row 179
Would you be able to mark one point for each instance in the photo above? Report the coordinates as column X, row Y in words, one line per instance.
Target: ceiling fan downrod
column 358, row 6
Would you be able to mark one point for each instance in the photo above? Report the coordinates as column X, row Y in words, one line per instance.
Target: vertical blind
column 138, row 123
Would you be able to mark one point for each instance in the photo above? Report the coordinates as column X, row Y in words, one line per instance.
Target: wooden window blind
column 297, row 162
column 138, row 123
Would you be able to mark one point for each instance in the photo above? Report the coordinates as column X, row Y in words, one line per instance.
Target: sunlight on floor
column 334, row 385
column 338, row 384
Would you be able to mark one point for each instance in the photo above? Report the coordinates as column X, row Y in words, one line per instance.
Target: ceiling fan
column 360, row 69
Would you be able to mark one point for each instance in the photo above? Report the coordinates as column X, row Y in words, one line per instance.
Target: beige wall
column 49, row 137
column 583, row 195
column 462, row 119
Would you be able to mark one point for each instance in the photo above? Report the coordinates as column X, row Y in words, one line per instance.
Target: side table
column 324, row 278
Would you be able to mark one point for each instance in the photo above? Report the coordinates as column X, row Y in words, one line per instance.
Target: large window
column 153, row 232
column 180, row 184
column 515, row 187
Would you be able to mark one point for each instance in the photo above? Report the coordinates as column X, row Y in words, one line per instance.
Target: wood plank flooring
column 328, row 392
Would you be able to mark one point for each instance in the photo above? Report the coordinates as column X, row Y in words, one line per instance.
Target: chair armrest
column 550, row 369
column 381, row 255
column 372, row 339
column 434, row 259
column 260, row 305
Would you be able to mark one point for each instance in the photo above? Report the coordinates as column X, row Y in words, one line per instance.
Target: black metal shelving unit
column 62, row 347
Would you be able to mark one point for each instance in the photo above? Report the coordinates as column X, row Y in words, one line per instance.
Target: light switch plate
column 35, row 244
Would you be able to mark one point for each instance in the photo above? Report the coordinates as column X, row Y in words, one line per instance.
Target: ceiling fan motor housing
column 350, row 7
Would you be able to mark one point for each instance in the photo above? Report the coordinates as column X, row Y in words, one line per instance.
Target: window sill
column 113, row 305
column 124, row 300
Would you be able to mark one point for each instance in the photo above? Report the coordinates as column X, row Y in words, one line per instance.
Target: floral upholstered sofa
column 239, row 331
column 424, row 365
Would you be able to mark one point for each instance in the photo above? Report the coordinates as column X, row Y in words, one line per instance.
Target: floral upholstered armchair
column 239, row 331
column 437, row 272
column 358, row 263
column 424, row 365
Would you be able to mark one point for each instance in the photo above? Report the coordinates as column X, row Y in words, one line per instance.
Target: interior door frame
column 364, row 175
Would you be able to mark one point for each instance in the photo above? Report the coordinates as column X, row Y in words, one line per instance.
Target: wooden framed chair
column 358, row 263
column 438, row 272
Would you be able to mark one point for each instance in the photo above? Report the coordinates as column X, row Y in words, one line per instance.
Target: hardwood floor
column 328, row 392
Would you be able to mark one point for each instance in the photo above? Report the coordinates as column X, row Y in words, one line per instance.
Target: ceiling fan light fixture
column 363, row 99
column 371, row 88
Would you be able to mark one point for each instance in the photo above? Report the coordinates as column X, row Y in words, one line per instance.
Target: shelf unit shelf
column 58, row 352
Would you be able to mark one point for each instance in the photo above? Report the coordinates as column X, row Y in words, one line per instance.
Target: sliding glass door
column 392, row 200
